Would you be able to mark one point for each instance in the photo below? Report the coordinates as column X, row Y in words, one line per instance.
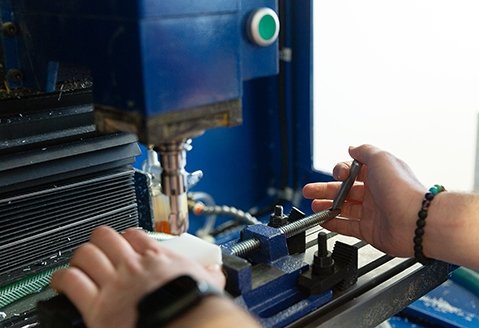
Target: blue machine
column 146, row 58
column 167, row 71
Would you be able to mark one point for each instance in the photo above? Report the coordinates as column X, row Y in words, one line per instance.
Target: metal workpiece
column 346, row 185
column 318, row 218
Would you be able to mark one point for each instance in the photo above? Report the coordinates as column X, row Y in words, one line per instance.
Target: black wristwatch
column 171, row 300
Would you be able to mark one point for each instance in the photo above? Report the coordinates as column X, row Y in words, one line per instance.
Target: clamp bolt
column 278, row 219
column 323, row 263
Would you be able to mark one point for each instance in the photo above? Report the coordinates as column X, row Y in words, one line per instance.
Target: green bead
column 436, row 189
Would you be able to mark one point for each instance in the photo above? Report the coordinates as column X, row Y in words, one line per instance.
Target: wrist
column 214, row 311
column 451, row 233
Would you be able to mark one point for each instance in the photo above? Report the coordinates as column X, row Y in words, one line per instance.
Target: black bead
column 419, row 232
column 420, row 223
column 422, row 214
column 418, row 249
column 429, row 196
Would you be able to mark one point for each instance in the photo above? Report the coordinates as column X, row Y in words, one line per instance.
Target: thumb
column 363, row 153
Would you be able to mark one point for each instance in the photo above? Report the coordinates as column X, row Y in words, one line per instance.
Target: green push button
column 263, row 26
column 267, row 27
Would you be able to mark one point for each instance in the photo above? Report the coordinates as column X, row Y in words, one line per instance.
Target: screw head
column 14, row 75
column 10, row 29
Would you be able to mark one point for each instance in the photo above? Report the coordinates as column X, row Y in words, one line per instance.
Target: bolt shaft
column 322, row 244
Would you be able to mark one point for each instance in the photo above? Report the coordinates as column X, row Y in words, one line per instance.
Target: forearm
column 213, row 312
column 452, row 229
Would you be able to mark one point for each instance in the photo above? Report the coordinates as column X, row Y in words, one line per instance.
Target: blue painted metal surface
column 449, row 305
column 255, row 61
column 268, row 287
column 242, row 164
column 10, row 45
column 145, row 56
column 273, row 243
column 278, row 302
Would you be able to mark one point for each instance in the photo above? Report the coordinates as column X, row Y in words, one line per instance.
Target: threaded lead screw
column 291, row 229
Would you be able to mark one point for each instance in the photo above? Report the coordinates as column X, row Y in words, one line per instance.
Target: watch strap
column 171, row 300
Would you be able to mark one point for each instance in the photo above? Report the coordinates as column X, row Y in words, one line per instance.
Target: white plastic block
column 195, row 248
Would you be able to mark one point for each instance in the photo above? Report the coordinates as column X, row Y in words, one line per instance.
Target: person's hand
column 381, row 208
column 109, row 275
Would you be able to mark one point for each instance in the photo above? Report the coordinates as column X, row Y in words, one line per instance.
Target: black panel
column 41, row 225
column 66, row 160
column 43, row 120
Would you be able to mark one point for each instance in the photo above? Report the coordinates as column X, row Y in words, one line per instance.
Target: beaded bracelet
column 421, row 222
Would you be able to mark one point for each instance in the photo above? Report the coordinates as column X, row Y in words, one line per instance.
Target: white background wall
column 403, row 75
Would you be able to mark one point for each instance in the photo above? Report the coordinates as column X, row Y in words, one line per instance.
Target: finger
column 112, row 244
column 91, row 260
column 140, row 241
column 321, row 204
column 341, row 170
column 321, row 190
column 77, row 286
column 329, row 190
column 344, row 227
